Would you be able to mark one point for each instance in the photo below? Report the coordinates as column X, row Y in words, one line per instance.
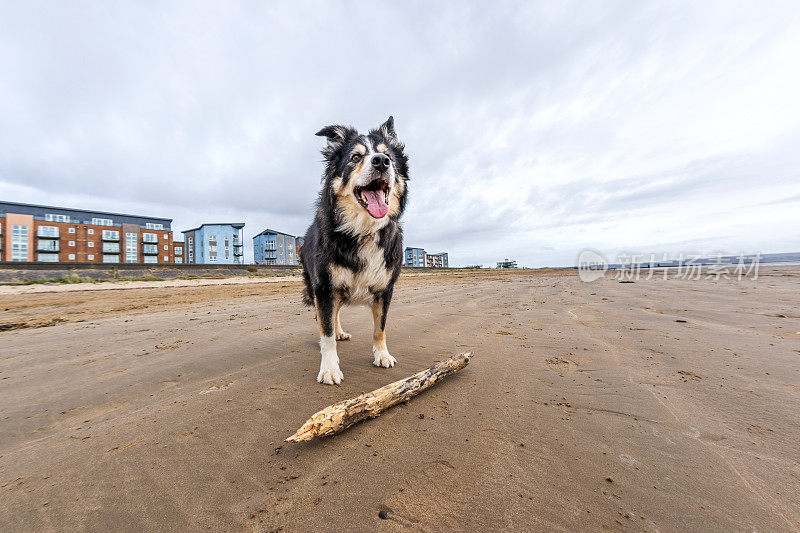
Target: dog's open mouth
column 374, row 197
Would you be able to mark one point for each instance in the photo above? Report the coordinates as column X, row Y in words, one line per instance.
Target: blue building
column 272, row 247
column 215, row 244
column 415, row 257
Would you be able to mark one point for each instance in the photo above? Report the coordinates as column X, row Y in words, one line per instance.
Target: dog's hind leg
column 341, row 335
column 329, row 372
column 380, row 307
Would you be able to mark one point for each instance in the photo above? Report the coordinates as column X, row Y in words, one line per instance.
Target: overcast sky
column 534, row 129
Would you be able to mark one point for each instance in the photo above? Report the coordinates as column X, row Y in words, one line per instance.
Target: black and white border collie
column 353, row 251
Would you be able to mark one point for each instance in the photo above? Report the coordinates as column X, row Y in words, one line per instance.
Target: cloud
column 534, row 129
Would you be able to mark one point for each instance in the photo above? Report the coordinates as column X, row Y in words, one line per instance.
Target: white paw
column 330, row 376
column 383, row 358
column 343, row 336
column 329, row 372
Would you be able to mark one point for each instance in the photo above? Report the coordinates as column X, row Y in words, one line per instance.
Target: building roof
column 270, row 231
column 6, row 207
column 237, row 225
column 414, row 248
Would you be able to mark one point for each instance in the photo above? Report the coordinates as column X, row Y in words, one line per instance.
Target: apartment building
column 436, row 260
column 177, row 251
column 507, row 263
column 40, row 233
column 414, row 257
column 272, row 247
column 219, row 243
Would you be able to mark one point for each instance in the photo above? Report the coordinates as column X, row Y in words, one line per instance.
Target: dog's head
column 366, row 176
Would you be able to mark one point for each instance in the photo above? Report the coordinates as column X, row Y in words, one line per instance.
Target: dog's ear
column 387, row 129
column 336, row 134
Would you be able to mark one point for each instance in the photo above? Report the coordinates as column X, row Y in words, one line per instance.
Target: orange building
column 38, row 233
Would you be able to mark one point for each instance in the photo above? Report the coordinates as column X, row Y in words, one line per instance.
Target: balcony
column 110, row 235
column 270, row 246
column 47, row 246
column 149, row 237
column 110, row 248
column 47, row 232
column 150, row 249
column 238, row 253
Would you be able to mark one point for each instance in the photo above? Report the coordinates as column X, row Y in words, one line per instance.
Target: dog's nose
column 380, row 162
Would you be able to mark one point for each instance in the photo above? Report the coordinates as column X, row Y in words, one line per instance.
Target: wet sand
column 586, row 407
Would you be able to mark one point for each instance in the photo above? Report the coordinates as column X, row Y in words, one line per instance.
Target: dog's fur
column 349, row 256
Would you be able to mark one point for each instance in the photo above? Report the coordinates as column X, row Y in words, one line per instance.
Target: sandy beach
column 660, row 405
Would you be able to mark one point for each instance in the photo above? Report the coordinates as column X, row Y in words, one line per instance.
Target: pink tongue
column 375, row 204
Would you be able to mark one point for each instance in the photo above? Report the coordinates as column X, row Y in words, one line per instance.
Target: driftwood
column 342, row 415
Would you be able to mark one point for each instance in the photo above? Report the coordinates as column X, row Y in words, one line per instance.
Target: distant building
column 272, row 247
column 177, row 251
column 214, row 243
column 418, row 257
column 415, row 257
column 507, row 263
column 298, row 246
column 49, row 234
column 436, row 260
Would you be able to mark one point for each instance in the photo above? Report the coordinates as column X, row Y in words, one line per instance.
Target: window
column 150, row 259
column 90, row 257
column 72, row 230
column 149, row 237
column 90, row 244
column 71, row 243
column 178, row 250
column 190, row 243
column 131, row 247
column 166, row 259
column 179, row 259
column 47, row 245
column 151, row 225
column 52, row 217
column 72, row 257
column 110, row 235
column 166, row 236
column 47, row 258
column 19, row 243
column 90, row 231
column 110, row 259
column 166, row 247
column 48, row 231
column 110, row 247
column 150, row 249
column 102, row 222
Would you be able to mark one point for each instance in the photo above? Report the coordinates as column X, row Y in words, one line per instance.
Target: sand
column 586, row 407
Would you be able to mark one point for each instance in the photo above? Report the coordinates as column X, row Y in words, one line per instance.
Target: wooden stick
column 342, row 415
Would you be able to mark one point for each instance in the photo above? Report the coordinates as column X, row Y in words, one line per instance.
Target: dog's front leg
column 329, row 371
column 380, row 307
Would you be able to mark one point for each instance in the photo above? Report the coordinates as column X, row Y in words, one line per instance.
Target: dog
column 353, row 250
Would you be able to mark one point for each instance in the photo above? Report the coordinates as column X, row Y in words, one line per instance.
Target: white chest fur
column 373, row 277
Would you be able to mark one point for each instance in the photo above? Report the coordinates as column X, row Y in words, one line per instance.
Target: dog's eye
column 356, row 158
